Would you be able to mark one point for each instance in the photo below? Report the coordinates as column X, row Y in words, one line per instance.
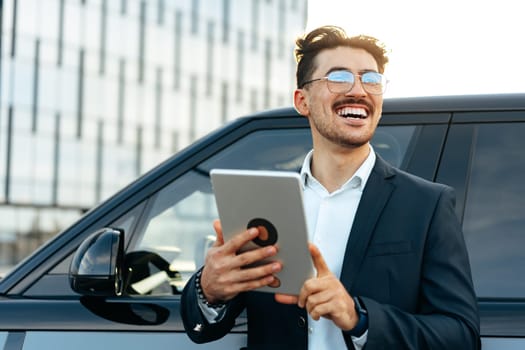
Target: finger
column 227, row 288
column 218, row 231
column 340, row 310
column 256, row 272
column 317, row 301
column 286, row 298
column 318, row 260
column 318, row 310
column 251, row 259
column 245, row 279
column 310, row 286
column 251, row 285
column 240, row 239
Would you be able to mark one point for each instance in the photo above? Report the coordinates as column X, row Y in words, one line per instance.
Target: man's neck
column 333, row 169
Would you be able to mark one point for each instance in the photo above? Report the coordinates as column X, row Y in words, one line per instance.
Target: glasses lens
column 373, row 82
column 340, row 76
column 340, row 81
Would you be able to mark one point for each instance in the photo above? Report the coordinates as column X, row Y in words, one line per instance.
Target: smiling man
column 392, row 267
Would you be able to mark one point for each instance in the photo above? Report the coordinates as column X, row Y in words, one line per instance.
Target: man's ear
column 300, row 102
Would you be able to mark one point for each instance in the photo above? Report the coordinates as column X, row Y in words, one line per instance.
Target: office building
column 94, row 93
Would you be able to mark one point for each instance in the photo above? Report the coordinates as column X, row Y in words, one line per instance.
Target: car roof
column 450, row 103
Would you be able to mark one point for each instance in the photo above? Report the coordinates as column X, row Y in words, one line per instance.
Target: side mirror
column 96, row 268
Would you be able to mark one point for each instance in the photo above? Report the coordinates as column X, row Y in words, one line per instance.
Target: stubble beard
column 338, row 137
column 328, row 130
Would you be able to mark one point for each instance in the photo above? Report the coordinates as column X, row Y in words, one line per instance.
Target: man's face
column 345, row 120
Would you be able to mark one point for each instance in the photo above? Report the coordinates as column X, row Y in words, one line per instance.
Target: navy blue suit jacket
column 406, row 258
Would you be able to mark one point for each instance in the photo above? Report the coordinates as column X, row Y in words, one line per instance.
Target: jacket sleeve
column 447, row 315
column 197, row 327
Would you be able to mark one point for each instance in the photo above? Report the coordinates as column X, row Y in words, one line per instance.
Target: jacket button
column 301, row 322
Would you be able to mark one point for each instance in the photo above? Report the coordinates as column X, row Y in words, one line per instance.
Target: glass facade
column 93, row 93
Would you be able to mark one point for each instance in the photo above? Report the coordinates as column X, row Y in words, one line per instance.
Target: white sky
column 440, row 47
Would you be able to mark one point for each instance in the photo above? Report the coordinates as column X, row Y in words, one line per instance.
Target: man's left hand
column 324, row 295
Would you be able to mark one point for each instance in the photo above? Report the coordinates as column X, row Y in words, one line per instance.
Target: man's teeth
column 352, row 112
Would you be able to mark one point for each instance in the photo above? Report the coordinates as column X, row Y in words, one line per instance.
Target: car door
column 166, row 217
column 484, row 161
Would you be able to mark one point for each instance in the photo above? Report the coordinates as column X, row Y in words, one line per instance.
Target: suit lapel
column 374, row 198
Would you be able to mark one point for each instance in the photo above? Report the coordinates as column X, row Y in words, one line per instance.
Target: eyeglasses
column 342, row 81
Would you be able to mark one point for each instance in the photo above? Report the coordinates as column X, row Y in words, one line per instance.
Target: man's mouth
column 352, row 112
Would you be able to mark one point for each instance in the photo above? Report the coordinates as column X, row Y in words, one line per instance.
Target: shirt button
column 301, row 322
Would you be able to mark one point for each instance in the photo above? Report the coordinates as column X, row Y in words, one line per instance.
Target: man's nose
column 357, row 89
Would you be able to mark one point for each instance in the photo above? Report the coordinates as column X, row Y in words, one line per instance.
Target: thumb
column 318, row 260
column 218, row 231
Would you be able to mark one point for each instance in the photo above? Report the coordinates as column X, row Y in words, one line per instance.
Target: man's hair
column 329, row 37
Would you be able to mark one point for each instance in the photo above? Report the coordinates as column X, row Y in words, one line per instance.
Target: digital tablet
column 273, row 202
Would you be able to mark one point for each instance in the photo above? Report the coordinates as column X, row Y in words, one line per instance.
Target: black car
column 113, row 279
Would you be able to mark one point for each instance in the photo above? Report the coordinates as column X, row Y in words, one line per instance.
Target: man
column 401, row 281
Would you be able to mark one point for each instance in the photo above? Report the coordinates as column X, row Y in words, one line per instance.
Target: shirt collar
column 358, row 180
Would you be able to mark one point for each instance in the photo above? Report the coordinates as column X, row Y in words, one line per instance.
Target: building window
column 177, row 37
column 36, row 75
column 13, row 32
column 226, row 21
column 56, row 161
column 121, row 100
column 138, row 150
column 99, row 156
column 255, row 24
column 160, row 12
column 142, row 41
column 240, row 66
column 103, row 36
column 158, row 109
column 9, row 152
column 123, row 7
column 60, row 41
column 224, row 102
column 85, row 102
column 254, row 105
column 175, row 142
column 210, row 47
column 192, row 132
column 281, row 31
column 195, row 17
column 80, row 92
column 267, row 72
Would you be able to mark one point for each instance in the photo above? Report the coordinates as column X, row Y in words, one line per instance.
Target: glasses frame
column 351, row 85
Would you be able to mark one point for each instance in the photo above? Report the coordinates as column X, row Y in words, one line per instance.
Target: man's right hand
column 225, row 275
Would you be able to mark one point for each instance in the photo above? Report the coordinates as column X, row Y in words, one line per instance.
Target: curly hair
column 329, row 37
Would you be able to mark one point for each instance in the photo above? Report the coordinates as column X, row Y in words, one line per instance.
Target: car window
column 3, row 337
column 264, row 150
column 393, row 143
column 493, row 222
column 178, row 227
